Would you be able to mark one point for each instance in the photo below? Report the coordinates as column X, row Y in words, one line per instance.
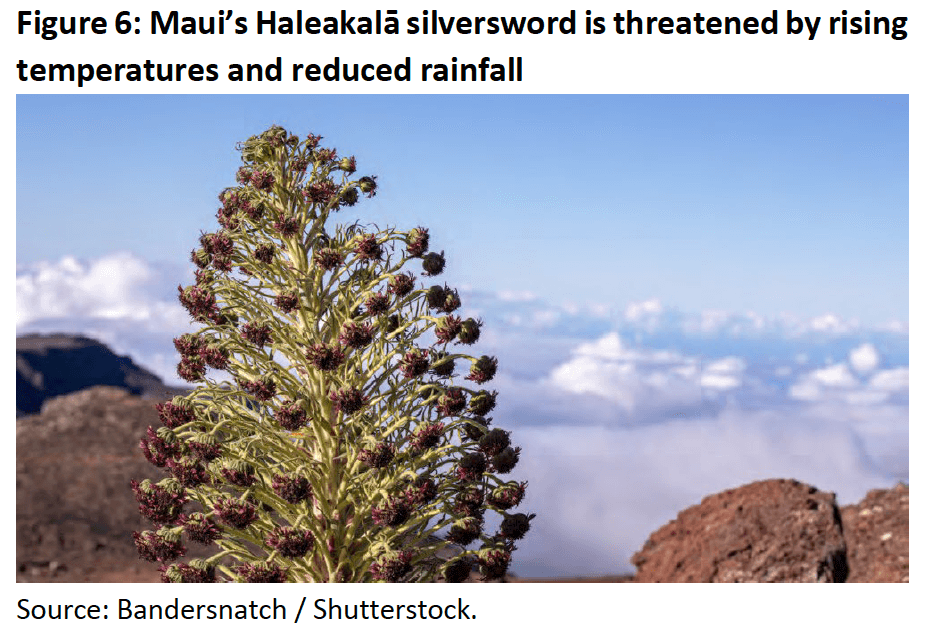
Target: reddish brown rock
column 75, row 511
column 777, row 530
column 876, row 531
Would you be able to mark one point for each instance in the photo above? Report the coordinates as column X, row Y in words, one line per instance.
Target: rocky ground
column 75, row 512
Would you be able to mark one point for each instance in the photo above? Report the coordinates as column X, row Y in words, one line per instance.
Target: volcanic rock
column 876, row 531
column 777, row 530
column 47, row 366
column 75, row 511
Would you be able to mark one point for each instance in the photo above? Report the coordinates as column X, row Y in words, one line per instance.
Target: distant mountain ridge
column 56, row 364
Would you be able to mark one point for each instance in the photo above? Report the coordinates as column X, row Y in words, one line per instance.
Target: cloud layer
column 625, row 416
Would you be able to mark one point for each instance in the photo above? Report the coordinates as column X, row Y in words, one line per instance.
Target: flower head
column 258, row 335
column 291, row 488
column 417, row 241
column 433, row 263
column 392, row 566
column 160, row 504
column 291, row 416
column 199, row 528
column 154, row 546
column 235, row 513
column 324, row 357
column 290, row 542
column 368, row 248
column 483, row 370
column 188, row 573
column 262, row 573
column 356, row 335
column 347, row 400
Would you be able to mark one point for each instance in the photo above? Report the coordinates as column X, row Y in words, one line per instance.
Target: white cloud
column 640, row 310
column 115, row 287
column 891, row 380
column 864, row 358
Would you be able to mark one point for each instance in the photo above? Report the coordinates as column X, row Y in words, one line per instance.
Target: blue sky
column 766, row 203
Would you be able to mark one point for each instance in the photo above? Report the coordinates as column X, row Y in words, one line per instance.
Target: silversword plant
column 334, row 444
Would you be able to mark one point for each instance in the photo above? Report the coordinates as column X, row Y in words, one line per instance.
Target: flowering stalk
column 335, row 445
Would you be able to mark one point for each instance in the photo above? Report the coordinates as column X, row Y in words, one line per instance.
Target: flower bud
column 287, row 302
column 159, row 503
column 199, row 528
column 368, row 248
column 505, row 461
column 262, row 390
column 188, row 471
column 195, row 572
column 515, row 526
column 378, row 457
column 414, row 363
column 244, row 175
column 189, row 344
column 258, row 335
column 291, row 488
column 200, row 258
column 262, row 573
column 160, row 446
column 368, row 185
column 452, row 301
column 465, row 531
column 421, row 491
column 471, row 467
column 205, row 451
column 290, row 542
column 392, row 566
column 262, row 180
column 457, row 571
column 494, row 563
column 392, row 512
column 175, row 412
column 215, row 357
column 348, row 164
column 287, row 226
column 494, row 442
column 191, row 369
column 347, row 400
column 323, row 357
column 469, row 502
column 158, row 546
column 355, row 335
column 470, row 331
column 483, row 402
column 417, row 241
column 426, row 435
column 377, row 304
column 434, row 295
column 447, row 328
column 482, row 370
column 507, row 496
column 442, row 365
column 239, row 473
column 452, row 402
column 401, row 284
column 349, row 196
column 235, row 513
column 327, row 258
column 264, row 253
column 291, row 416
column 320, row 192
column 433, row 263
